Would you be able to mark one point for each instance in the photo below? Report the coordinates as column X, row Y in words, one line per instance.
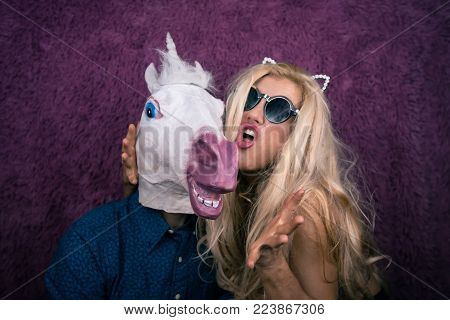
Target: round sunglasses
column 276, row 109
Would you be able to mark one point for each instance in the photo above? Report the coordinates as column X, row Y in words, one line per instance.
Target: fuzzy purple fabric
column 73, row 78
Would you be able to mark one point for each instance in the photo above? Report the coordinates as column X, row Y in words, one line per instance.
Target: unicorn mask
column 185, row 163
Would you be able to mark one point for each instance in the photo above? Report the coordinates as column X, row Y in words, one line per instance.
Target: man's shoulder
column 103, row 218
column 86, row 254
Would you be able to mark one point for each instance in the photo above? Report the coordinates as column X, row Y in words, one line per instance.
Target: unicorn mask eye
column 152, row 110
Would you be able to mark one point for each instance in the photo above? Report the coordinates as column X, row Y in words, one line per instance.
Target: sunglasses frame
column 292, row 110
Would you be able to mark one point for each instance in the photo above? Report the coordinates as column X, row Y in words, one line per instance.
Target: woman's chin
column 249, row 166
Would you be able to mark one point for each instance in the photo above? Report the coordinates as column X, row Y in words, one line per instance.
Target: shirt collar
column 152, row 225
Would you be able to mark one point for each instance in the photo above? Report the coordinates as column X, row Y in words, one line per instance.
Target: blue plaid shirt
column 123, row 250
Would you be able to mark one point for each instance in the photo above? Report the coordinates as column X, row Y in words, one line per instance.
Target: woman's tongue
column 247, row 137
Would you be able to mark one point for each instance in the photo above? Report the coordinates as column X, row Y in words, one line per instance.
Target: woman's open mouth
column 247, row 135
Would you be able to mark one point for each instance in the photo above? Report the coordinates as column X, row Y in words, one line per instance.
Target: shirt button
column 170, row 231
column 177, row 296
column 194, row 233
column 180, row 259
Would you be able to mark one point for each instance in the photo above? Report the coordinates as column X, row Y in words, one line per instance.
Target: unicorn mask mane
column 176, row 71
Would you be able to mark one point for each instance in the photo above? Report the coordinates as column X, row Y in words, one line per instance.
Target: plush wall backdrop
column 72, row 78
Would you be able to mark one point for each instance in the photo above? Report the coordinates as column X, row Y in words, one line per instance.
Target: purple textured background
column 72, row 78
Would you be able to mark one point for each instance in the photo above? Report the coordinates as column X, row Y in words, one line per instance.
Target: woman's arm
column 308, row 275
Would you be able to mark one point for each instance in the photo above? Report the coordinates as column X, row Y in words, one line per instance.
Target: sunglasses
column 276, row 109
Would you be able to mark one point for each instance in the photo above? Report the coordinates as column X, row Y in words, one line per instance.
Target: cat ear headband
column 316, row 76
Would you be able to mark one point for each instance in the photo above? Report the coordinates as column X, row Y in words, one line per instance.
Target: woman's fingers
column 291, row 204
column 254, row 254
column 287, row 217
column 129, row 142
column 129, row 167
column 129, row 161
column 290, row 225
column 270, row 244
column 278, row 231
column 124, row 142
column 132, row 178
column 131, row 134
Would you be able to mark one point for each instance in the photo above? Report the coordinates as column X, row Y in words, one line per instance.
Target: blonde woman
column 296, row 227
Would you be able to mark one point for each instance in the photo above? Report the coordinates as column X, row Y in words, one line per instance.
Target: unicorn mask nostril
column 206, row 154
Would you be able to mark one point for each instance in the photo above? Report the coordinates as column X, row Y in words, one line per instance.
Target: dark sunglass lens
column 252, row 99
column 277, row 110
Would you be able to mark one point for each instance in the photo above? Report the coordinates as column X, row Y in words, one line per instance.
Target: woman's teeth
column 249, row 134
column 208, row 203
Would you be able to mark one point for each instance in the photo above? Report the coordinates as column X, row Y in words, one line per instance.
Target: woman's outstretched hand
column 268, row 246
column 129, row 161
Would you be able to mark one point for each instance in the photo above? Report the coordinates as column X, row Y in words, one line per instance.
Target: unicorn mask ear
column 151, row 77
column 198, row 67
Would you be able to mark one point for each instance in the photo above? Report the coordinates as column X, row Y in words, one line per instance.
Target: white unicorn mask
column 185, row 163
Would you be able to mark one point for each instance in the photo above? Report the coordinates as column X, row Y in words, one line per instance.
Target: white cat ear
column 198, row 66
column 325, row 78
column 151, row 77
column 268, row 60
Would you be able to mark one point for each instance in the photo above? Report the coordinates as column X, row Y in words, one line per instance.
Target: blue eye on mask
column 150, row 110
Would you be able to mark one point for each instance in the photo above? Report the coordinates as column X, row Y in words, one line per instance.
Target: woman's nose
column 256, row 114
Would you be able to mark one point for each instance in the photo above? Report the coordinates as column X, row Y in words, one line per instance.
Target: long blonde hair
column 311, row 158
